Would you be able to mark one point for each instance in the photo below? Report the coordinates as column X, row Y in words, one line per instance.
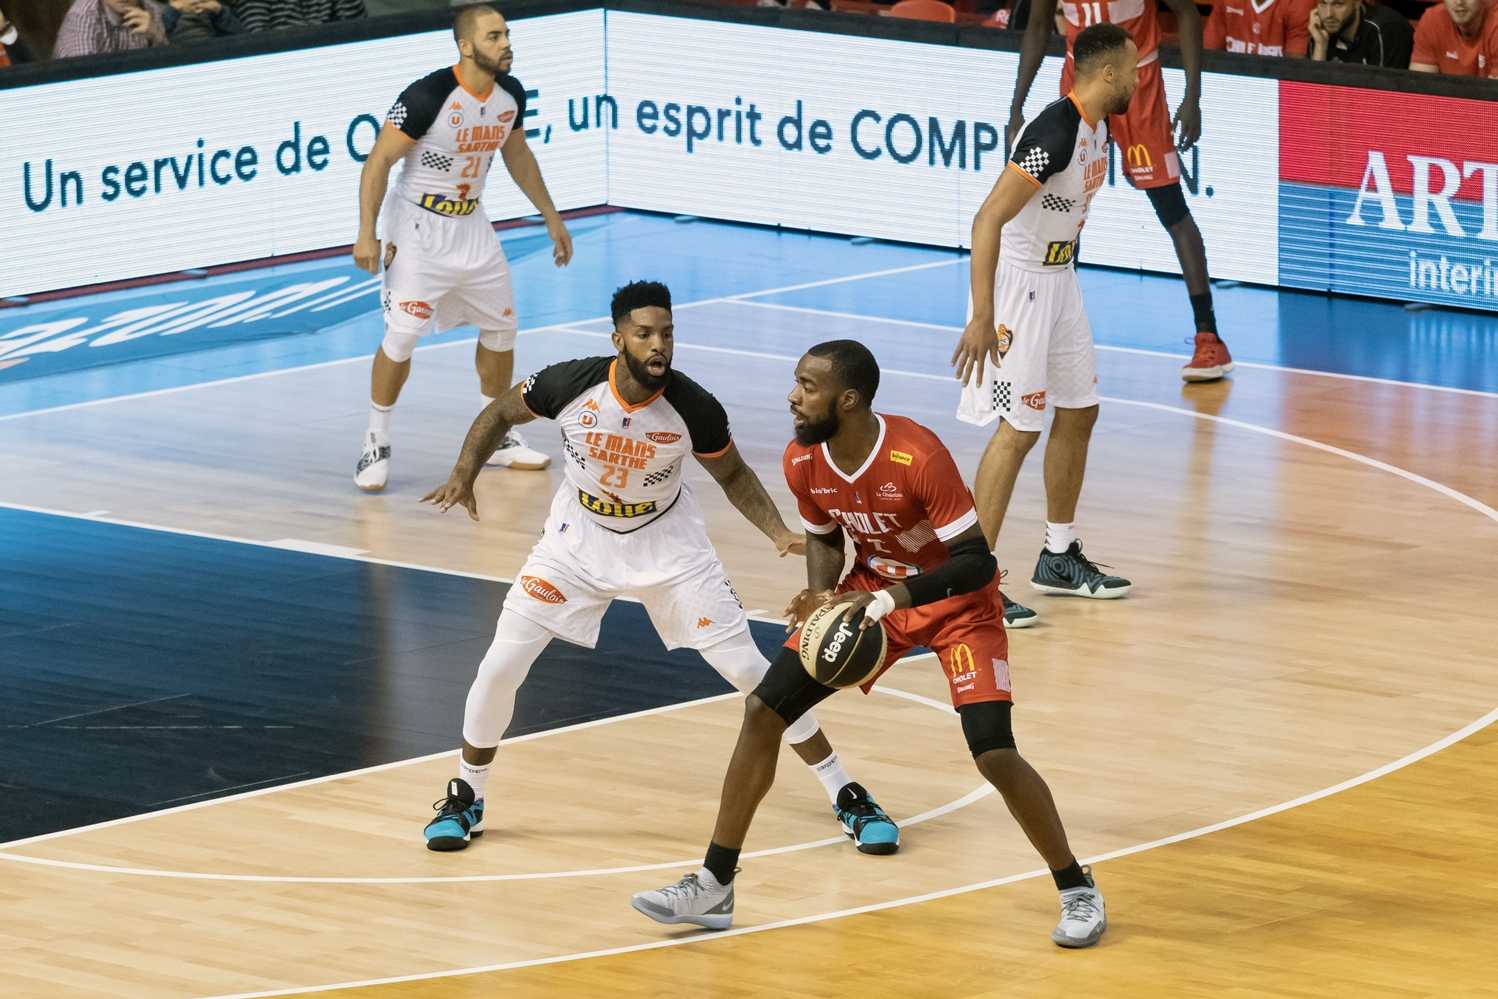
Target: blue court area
column 273, row 321
column 144, row 669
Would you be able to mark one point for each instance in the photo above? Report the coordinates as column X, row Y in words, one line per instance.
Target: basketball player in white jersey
column 624, row 523
column 443, row 266
column 1028, row 320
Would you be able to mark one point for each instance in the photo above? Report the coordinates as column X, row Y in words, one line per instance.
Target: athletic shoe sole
column 1206, row 374
column 521, row 466
column 1081, row 591
column 1090, row 941
column 873, row 849
column 370, row 489
column 446, row 844
column 1021, row 622
column 722, row 922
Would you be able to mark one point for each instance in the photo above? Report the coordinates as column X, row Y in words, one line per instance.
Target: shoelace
column 1081, row 907
column 864, row 811
column 686, row 887
column 450, row 806
column 1089, row 563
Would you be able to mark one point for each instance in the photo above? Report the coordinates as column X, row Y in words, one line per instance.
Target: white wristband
column 883, row 603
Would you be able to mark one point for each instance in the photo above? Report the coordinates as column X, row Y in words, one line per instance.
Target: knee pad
column 499, row 341
column 986, row 725
column 741, row 663
column 399, row 346
column 1169, row 203
column 491, row 699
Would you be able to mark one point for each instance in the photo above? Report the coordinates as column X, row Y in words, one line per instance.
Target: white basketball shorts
column 1049, row 359
column 444, row 272
column 578, row 567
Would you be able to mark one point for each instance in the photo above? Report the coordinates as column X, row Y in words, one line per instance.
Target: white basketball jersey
column 1065, row 156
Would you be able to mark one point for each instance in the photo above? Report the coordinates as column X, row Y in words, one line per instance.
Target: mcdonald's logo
column 960, row 661
column 1138, row 156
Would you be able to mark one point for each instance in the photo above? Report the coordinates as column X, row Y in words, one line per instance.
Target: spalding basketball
column 835, row 652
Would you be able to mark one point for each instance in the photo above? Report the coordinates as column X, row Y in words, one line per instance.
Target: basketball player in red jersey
column 924, row 569
column 1270, row 27
column 1145, row 136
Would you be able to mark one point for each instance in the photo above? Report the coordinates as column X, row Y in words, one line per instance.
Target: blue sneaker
column 865, row 822
column 458, row 819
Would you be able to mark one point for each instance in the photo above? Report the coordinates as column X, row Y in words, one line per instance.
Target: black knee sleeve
column 1169, row 202
column 986, row 726
column 790, row 691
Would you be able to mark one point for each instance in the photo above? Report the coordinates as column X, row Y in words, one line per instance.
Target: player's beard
column 493, row 66
column 1120, row 103
column 814, row 432
column 641, row 374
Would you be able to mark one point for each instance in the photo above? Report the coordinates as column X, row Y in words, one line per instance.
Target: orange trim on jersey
column 398, row 132
column 458, row 72
column 529, row 410
column 715, row 454
column 614, row 388
column 1015, row 167
column 1072, row 95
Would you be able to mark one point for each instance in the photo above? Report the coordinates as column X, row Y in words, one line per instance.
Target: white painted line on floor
column 317, row 548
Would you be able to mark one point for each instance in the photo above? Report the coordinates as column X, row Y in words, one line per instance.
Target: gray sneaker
column 1083, row 916
column 693, row 899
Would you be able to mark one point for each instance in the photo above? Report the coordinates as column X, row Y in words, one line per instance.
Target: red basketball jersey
column 900, row 508
column 1137, row 17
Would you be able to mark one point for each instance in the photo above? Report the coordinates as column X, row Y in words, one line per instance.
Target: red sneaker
column 1211, row 360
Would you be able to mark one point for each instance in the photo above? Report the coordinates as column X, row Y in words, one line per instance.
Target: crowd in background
column 1456, row 37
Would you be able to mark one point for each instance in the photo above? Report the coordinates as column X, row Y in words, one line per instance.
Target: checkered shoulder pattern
column 1048, row 141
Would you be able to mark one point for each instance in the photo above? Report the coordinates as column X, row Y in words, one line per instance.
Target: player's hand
column 1011, row 133
column 367, row 253
column 456, row 491
column 979, row 341
column 803, row 605
column 561, row 241
column 791, row 543
column 1187, row 124
column 857, row 600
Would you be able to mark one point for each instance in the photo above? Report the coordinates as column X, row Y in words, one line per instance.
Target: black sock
column 721, row 861
column 1206, row 319
column 1070, row 876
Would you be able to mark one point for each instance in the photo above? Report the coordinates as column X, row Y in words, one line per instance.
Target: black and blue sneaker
column 1073, row 574
column 865, row 822
column 459, row 818
column 1015, row 615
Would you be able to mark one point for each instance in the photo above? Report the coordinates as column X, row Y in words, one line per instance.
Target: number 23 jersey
column 624, row 461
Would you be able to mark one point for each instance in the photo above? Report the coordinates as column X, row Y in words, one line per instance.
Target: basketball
column 835, row 652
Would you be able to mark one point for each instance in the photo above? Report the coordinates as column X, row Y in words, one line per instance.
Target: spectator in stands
column 267, row 15
column 1459, row 38
column 12, row 49
column 37, row 21
column 1358, row 32
column 1279, row 28
column 95, row 26
column 195, row 20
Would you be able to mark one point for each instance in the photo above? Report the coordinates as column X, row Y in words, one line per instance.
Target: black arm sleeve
column 1048, row 142
column 549, row 391
column 970, row 566
column 704, row 416
column 418, row 106
column 516, row 89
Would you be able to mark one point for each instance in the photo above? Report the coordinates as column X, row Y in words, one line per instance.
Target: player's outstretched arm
column 526, row 173
column 1031, row 54
column 980, row 340
column 1188, row 119
column 748, row 496
column 389, row 147
column 483, row 437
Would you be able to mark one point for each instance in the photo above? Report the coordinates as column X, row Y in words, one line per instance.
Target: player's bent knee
column 399, row 346
column 738, row 660
column 498, row 341
column 759, row 716
column 1169, row 204
column 789, row 691
column 801, row 729
column 987, row 726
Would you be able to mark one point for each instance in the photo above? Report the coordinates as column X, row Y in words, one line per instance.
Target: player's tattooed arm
column 747, row 494
column 824, row 567
column 483, row 437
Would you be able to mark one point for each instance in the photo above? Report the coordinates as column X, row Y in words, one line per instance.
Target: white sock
column 379, row 422
column 476, row 777
column 1058, row 537
column 832, row 775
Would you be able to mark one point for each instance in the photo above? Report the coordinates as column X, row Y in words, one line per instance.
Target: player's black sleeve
column 550, row 390
column 1047, row 144
column 969, row 566
column 418, row 106
column 516, row 89
column 704, row 416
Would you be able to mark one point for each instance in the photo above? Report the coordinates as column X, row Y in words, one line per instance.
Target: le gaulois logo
column 420, row 310
column 662, row 437
column 542, row 590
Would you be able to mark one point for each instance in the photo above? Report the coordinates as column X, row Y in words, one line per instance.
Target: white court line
column 707, row 936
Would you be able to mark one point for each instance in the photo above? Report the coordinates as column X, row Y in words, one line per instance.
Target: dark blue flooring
column 142, row 670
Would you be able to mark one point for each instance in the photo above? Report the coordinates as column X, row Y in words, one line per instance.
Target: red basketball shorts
column 1143, row 134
